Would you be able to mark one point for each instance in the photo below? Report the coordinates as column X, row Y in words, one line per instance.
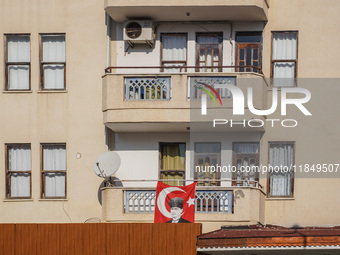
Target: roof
column 270, row 236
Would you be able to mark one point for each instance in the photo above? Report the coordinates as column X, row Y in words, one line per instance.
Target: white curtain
column 54, row 159
column 246, row 147
column 53, row 76
column 19, row 159
column 54, row 185
column 18, row 51
column 280, row 182
column 284, row 48
column 53, row 51
column 174, row 49
column 284, row 73
column 209, row 39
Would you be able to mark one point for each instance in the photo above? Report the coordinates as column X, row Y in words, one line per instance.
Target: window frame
column 174, row 62
column 250, row 44
column 42, row 171
column 235, row 154
column 218, row 173
column 160, row 170
column 292, row 177
column 8, row 173
column 295, row 61
column 220, row 54
column 7, row 64
column 42, row 63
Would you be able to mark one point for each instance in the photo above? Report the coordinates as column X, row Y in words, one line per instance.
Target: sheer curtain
column 18, row 51
column 174, row 49
column 20, row 160
column 280, row 182
column 53, row 52
column 284, row 48
column 246, row 147
column 54, row 159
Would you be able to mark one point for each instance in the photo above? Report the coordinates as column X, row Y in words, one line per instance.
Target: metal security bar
column 147, row 88
column 206, row 201
column 218, row 83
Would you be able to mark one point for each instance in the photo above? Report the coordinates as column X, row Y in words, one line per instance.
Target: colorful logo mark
column 212, row 89
column 204, row 96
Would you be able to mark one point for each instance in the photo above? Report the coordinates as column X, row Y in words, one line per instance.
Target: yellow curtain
column 173, row 158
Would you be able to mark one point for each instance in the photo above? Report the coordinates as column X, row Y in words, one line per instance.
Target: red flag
column 175, row 204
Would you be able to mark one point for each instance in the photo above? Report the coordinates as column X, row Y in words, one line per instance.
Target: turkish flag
column 175, row 204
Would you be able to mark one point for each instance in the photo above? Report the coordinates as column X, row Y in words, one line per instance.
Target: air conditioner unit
column 138, row 32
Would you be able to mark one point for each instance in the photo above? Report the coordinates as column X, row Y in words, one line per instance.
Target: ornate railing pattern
column 147, row 88
column 206, row 201
column 217, row 83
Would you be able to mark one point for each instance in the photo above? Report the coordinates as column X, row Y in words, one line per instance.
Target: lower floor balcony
column 214, row 206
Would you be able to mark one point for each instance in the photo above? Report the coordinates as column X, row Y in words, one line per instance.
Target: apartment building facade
column 79, row 79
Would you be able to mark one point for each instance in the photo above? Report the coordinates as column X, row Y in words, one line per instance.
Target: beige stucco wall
column 73, row 116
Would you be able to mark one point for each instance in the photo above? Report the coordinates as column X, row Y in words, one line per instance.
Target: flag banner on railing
column 175, row 204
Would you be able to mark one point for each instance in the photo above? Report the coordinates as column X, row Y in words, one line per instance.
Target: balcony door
column 245, row 156
column 248, row 52
column 209, row 52
column 207, row 155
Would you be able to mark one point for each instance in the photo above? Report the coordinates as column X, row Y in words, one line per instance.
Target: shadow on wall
column 108, row 182
column 238, row 195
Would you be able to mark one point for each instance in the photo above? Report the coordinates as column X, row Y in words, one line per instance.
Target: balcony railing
column 184, row 69
column 147, row 88
column 196, row 82
column 206, row 201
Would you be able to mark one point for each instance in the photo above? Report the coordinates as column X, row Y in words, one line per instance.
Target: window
column 209, row 52
column 53, row 170
column 172, row 162
column 248, row 52
column 284, row 59
column 207, row 155
column 281, row 178
column 17, row 64
column 52, row 62
column 245, row 156
column 174, row 52
column 18, row 171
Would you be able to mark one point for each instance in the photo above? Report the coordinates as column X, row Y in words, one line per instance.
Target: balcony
column 215, row 206
column 163, row 102
column 188, row 10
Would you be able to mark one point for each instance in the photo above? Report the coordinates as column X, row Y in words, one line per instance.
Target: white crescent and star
column 162, row 197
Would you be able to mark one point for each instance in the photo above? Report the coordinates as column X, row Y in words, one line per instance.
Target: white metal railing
column 197, row 83
column 206, row 201
column 147, row 88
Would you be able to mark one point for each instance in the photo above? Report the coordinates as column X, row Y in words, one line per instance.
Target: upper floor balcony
column 163, row 102
column 188, row 10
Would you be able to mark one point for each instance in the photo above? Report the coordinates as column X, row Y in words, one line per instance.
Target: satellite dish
column 107, row 164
